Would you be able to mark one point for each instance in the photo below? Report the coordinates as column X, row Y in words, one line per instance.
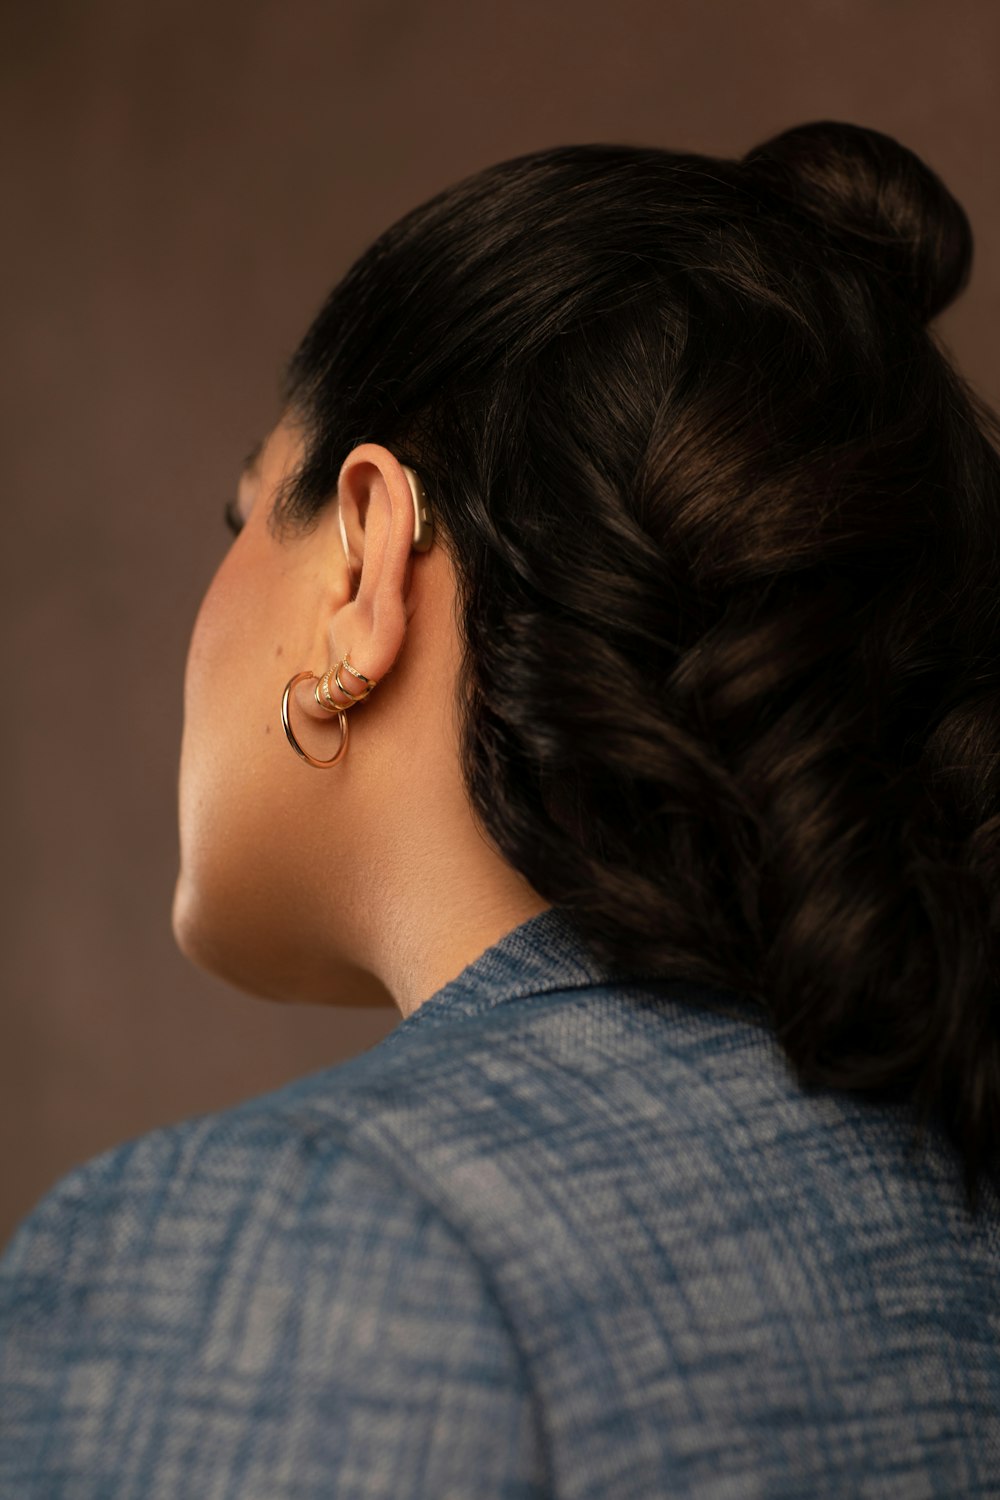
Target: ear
column 376, row 510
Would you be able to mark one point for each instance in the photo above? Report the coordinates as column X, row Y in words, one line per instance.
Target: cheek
column 220, row 757
column 200, row 647
column 218, row 711
column 208, row 636
column 238, row 910
column 236, row 670
column 228, row 641
column 199, row 745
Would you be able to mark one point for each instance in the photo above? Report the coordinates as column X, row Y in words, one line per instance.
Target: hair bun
column 878, row 195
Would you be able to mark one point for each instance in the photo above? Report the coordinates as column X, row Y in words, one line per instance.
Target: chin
column 208, row 946
column 190, row 931
column 212, row 936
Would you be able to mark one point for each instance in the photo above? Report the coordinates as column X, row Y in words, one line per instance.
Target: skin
column 368, row 882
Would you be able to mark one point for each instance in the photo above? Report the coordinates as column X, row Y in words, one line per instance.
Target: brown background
column 181, row 184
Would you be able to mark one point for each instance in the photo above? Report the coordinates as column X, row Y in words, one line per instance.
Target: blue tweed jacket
column 563, row 1233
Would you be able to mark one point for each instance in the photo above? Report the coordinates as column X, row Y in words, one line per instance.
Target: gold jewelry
column 287, row 726
column 323, row 685
column 329, row 706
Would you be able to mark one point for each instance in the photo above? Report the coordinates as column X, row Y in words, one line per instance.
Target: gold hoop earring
column 329, row 706
column 287, row 726
column 323, row 686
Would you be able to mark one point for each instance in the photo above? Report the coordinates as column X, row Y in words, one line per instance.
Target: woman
column 627, row 553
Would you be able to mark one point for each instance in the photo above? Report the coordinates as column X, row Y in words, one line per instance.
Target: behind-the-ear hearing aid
column 423, row 521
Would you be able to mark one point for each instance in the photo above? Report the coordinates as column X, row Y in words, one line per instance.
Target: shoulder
column 394, row 1157
column 275, row 1176
column 249, row 1269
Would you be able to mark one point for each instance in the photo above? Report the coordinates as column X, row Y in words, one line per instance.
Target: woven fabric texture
column 565, row 1232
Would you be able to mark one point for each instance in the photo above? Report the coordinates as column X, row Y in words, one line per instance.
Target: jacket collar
column 542, row 954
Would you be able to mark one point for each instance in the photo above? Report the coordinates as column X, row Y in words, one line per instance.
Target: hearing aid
column 423, row 521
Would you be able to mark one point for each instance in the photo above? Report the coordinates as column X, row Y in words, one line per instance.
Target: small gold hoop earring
column 286, row 725
column 327, row 700
column 323, row 686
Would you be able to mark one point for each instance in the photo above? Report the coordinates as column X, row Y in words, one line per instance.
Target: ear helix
column 423, row 521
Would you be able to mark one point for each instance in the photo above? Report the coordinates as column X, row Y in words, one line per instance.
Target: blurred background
column 182, row 183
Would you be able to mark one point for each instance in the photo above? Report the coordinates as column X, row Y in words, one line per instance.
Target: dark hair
column 725, row 526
